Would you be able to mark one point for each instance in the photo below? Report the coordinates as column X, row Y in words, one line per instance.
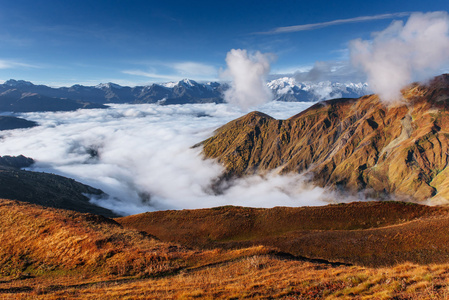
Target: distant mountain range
column 24, row 96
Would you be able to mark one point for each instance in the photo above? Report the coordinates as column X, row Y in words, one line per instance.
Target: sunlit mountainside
column 398, row 149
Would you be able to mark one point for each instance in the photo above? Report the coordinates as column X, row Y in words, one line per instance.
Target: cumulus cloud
column 403, row 53
column 248, row 73
column 141, row 156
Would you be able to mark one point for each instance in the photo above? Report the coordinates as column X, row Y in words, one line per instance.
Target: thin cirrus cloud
column 194, row 68
column 312, row 26
column 149, row 74
column 10, row 64
column 178, row 70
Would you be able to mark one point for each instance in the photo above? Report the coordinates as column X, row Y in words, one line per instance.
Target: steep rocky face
column 355, row 144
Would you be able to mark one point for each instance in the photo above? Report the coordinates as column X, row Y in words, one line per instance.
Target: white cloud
column 305, row 27
column 169, row 71
column 248, row 73
column 290, row 70
column 151, row 75
column 403, row 53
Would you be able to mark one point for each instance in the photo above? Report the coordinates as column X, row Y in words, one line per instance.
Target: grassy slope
column 267, row 277
column 49, row 253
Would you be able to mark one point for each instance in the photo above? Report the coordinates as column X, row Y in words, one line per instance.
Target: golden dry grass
column 56, row 254
column 38, row 240
column 268, row 277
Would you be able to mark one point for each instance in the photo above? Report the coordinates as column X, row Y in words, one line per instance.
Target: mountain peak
column 108, row 85
column 187, row 82
column 17, row 83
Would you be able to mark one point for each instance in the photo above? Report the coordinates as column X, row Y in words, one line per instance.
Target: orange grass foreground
column 259, row 277
column 55, row 254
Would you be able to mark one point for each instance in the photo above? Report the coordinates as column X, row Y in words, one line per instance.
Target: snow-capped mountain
column 184, row 91
column 16, row 83
column 108, row 85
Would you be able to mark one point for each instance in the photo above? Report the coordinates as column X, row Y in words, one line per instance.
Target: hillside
column 50, row 253
column 52, row 244
column 46, row 189
column 367, row 233
column 352, row 144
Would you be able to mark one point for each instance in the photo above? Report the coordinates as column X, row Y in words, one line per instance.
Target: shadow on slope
column 365, row 233
column 8, row 123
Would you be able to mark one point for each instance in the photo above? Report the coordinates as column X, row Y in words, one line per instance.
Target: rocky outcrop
column 354, row 144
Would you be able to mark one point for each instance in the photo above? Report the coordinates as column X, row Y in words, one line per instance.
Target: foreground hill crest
column 355, row 144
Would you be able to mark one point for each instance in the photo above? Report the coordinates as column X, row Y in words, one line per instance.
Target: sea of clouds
column 142, row 156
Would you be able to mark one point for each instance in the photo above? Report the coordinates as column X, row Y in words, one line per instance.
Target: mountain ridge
column 350, row 144
column 15, row 100
column 46, row 189
column 351, row 233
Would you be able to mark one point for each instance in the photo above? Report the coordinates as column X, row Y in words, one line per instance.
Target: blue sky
column 62, row 43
